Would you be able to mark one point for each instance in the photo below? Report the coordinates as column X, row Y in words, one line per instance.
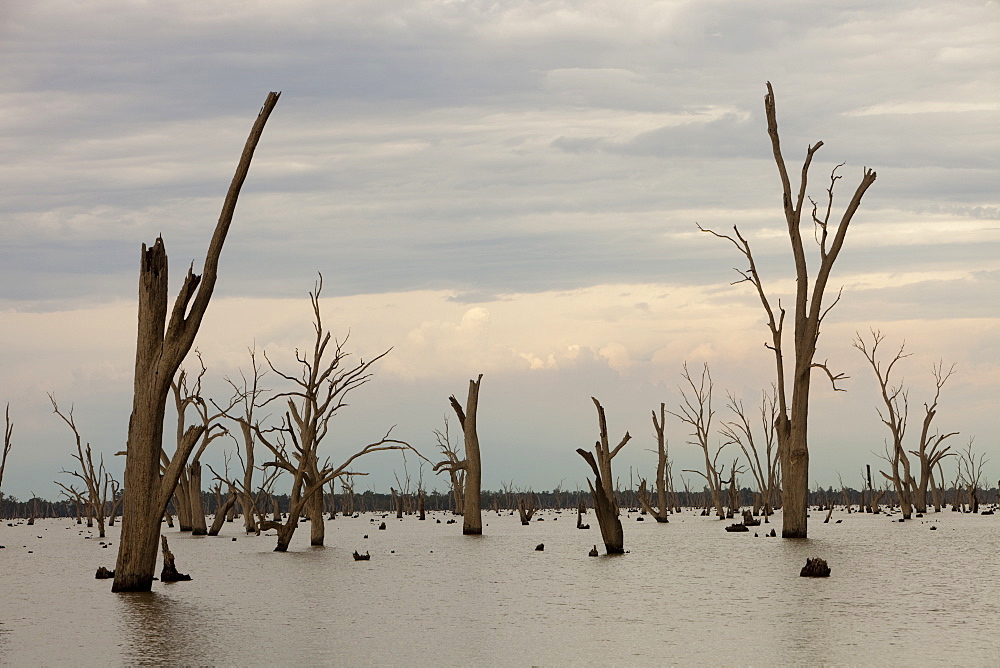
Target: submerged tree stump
column 169, row 572
column 104, row 574
column 362, row 557
column 815, row 568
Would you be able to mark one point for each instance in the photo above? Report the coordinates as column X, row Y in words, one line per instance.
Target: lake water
column 688, row 593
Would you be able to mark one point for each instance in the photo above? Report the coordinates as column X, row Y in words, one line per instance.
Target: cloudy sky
column 506, row 188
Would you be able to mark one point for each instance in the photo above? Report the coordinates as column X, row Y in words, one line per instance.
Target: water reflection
column 157, row 629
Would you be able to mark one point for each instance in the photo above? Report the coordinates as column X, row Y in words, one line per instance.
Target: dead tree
column 526, row 504
column 894, row 414
column 241, row 410
column 696, row 410
column 96, row 478
column 451, row 464
column 792, row 423
column 8, row 432
column 471, row 466
column 602, row 491
column 970, row 472
column 661, row 512
column 320, row 390
column 739, row 431
column 162, row 344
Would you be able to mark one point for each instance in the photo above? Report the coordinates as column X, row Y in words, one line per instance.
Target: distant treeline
column 502, row 500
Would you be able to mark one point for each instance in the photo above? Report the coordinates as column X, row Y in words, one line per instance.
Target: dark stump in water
column 593, row 552
column 736, row 528
column 815, row 568
column 104, row 574
column 169, row 572
column 361, row 557
column 540, row 547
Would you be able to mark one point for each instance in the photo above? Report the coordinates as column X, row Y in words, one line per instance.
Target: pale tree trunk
column 222, row 511
column 472, row 524
column 160, row 348
column 792, row 424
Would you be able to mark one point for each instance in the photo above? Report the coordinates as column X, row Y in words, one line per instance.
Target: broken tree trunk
column 605, row 504
column 472, row 524
column 169, row 572
column 161, row 346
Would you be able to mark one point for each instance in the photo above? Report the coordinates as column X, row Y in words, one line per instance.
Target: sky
column 506, row 188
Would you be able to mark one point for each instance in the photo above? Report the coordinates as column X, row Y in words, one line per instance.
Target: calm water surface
column 688, row 593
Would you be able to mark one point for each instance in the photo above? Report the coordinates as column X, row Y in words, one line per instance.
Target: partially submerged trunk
column 161, row 347
column 197, row 508
column 601, row 490
column 472, row 524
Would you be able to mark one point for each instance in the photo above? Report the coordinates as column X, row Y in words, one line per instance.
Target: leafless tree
column 661, row 512
column 970, row 472
column 162, row 343
column 894, row 413
column 792, row 424
column 320, row 390
column 602, row 491
column 471, row 466
column 527, row 503
column 739, row 431
column 696, row 410
column 451, row 464
column 96, row 478
column 8, row 432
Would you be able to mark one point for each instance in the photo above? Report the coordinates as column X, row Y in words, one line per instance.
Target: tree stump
column 815, row 568
column 736, row 528
column 361, row 557
column 169, row 572
column 104, row 574
column 540, row 547
column 593, row 552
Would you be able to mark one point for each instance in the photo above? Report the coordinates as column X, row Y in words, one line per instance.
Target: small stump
column 361, row 557
column 169, row 572
column 593, row 552
column 736, row 528
column 381, row 527
column 104, row 574
column 540, row 547
column 815, row 568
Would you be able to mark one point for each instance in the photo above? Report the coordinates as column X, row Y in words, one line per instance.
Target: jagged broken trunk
column 161, row 347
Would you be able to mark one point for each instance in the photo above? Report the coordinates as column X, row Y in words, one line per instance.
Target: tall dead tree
column 970, row 472
column 471, row 466
column 793, row 414
column 661, row 512
column 162, row 343
column 602, row 489
column 8, row 432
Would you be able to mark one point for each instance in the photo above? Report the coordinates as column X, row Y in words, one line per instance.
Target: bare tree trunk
column 605, row 504
column 222, row 511
column 792, row 426
column 197, row 508
column 472, row 524
column 161, row 347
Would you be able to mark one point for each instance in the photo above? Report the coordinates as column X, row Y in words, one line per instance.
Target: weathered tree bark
column 602, row 490
column 169, row 572
column 792, row 423
column 526, row 507
column 199, row 527
column 472, row 524
column 161, row 346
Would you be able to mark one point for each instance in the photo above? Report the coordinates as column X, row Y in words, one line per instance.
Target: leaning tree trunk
column 161, row 346
column 222, row 511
